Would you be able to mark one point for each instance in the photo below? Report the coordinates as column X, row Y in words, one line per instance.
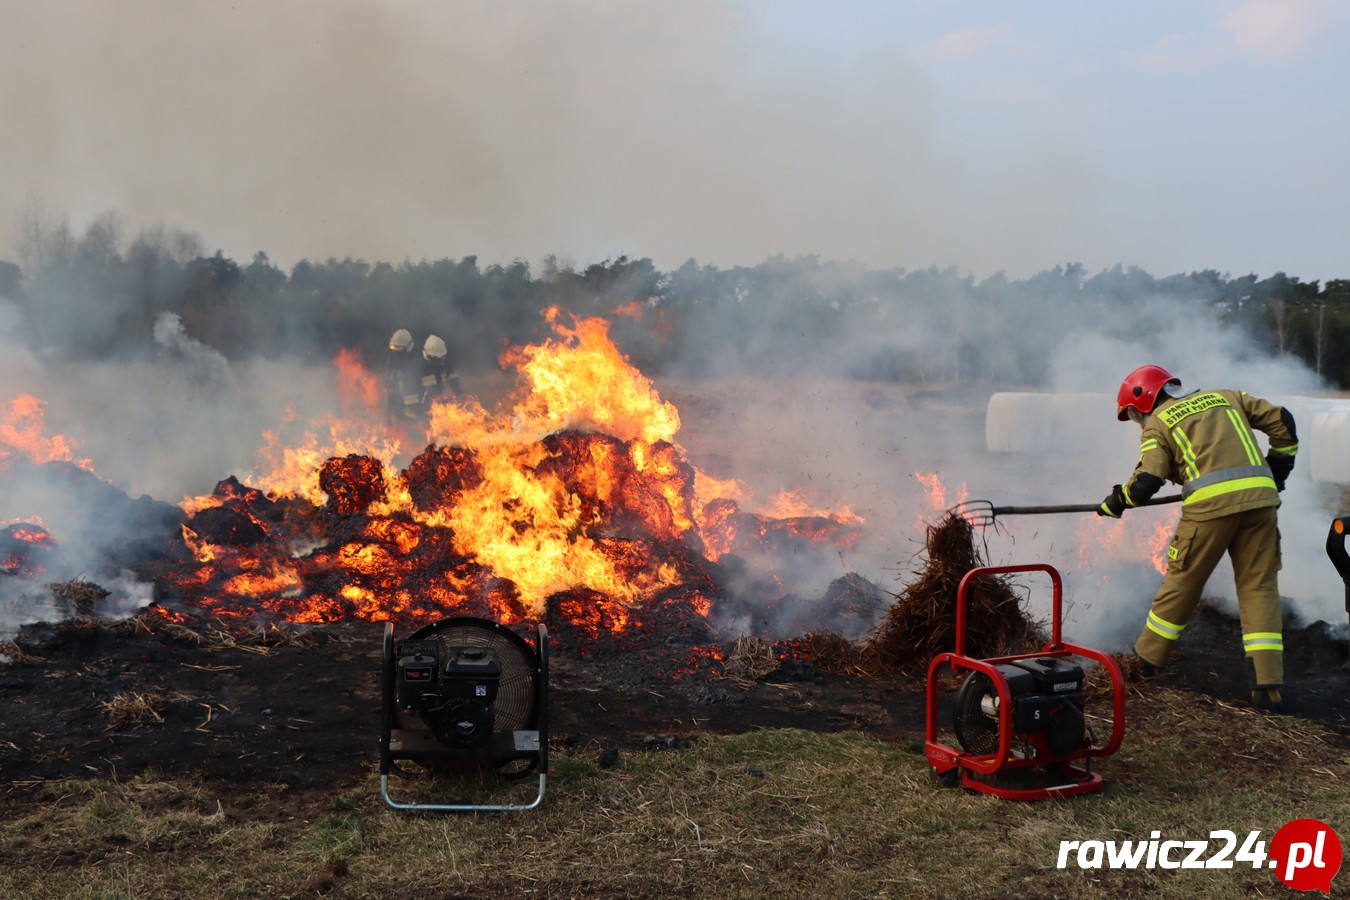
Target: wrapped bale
column 1329, row 447
column 1005, row 429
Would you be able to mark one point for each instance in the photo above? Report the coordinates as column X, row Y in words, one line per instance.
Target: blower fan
column 465, row 695
column 1021, row 712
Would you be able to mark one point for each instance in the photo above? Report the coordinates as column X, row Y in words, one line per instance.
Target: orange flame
column 22, row 428
column 1105, row 540
column 1158, row 541
column 358, row 387
column 790, row 503
column 582, row 382
column 201, row 550
column 288, row 463
column 936, row 492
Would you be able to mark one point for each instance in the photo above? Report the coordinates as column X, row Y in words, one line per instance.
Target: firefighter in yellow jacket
column 1204, row 441
column 402, row 376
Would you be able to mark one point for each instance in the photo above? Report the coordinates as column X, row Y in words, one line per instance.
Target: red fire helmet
column 1140, row 390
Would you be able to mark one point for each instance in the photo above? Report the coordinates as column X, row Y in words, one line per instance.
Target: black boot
column 1268, row 698
column 1135, row 668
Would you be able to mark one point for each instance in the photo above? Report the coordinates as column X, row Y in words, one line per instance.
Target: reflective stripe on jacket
column 1204, row 442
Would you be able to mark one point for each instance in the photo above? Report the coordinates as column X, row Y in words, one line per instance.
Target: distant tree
column 1273, row 299
column 44, row 243
column 101, row 242
column 1333, row 333
column 11, row 279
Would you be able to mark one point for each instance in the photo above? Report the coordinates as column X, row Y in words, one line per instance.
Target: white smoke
column 203, row 367
column 156, row 431
column 859, row 444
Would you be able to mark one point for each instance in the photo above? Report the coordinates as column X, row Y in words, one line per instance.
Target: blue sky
column 992, row 137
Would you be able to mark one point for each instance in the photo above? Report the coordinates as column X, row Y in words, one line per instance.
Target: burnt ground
column 302, row 708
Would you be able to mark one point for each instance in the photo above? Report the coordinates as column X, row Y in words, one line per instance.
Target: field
column 142, row 759
column 250, row 771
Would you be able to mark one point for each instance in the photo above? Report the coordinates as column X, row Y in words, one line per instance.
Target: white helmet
column 434, row 348
column 401, row 341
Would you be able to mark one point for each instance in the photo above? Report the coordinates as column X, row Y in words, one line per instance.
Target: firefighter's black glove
column 1113, row 505
column 1281, row 464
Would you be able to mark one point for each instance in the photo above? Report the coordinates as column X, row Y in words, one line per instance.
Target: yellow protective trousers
column 1252, row 541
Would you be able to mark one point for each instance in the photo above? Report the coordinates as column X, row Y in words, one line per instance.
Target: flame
column 266, row 578
column 30, row 534
column 1103, row 542
column 1158, row 541
column 292, row 455
column 936, row 491
column 937, row 497
column 22, row 428
column 789, row 503
column 21, row 548
column 358, row 387
column 200, row 549
column 168, row 615
column 580, row 381
column 702, row 661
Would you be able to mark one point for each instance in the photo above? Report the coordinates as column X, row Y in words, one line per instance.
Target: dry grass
column 922, row 621
column 780, row 813
column 750, row 660
column 133, row 709
column 77, row 597
column 15, row 654
column 215, row 634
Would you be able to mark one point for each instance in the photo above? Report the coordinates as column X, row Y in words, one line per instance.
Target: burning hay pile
column 569, row 503
column 922, row 622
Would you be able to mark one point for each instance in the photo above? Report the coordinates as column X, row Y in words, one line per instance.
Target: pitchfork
column 982, row 513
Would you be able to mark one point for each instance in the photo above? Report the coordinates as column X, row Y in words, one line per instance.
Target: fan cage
column 518, row 743
column 975, row 730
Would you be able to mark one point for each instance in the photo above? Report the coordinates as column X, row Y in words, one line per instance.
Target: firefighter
column 401, row 377
column 1203, row 441
column 437, row 374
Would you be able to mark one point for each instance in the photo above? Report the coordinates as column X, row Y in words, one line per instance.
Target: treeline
column 91, row 299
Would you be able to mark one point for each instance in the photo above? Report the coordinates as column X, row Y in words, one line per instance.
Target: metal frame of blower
column 947, row 760
column 530, row 744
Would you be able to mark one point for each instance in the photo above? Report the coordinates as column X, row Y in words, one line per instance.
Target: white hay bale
column 1327, row 447
column 1051, row 424
column 1015, row 423
column 1306, row 408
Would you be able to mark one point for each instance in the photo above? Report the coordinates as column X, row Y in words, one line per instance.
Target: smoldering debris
column 78, row 597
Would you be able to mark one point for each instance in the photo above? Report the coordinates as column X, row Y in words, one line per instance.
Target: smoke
column 847, row 398
column 861, row 443
column 203, row 367
column 97, row 532
column 388, row 130
column 1204, row 356
column 154, row 430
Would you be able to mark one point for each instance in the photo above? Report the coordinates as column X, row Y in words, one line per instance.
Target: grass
column 786, row 813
